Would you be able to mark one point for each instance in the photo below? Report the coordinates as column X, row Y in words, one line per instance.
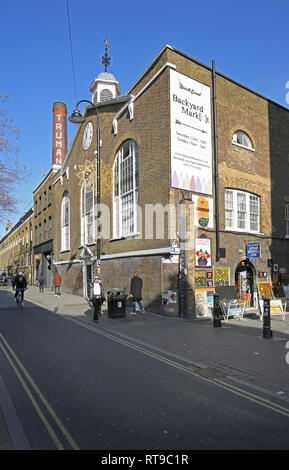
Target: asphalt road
column 74, row 385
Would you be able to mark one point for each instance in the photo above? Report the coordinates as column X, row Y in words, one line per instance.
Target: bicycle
column 19, row 302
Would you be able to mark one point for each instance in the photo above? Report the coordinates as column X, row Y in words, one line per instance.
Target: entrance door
column 244, row 281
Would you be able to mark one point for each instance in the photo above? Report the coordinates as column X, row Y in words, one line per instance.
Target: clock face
column 87, row 136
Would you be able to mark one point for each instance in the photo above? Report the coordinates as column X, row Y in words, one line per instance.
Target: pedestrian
column 136, row 293
column 41, row 280
column 57, row 283
column 97, row 297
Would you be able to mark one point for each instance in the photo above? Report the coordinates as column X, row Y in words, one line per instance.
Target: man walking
column 136, row 293
column 97, row 297
column 41, row 281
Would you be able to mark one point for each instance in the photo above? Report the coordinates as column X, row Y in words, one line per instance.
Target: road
column 75, row 385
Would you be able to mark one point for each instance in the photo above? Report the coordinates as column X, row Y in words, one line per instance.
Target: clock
column 87, row 136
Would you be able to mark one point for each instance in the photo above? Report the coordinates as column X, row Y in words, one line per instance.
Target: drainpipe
column 216, row 164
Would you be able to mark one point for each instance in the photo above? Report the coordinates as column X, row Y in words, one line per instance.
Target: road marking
column 10, row 355
column 219, row 383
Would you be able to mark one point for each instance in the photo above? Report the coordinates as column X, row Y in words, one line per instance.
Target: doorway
column 244, row 281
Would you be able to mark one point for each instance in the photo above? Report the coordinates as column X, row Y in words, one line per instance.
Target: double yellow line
column 55, row 428
column 264, row 402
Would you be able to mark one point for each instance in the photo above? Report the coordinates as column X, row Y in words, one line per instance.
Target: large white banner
column 191, row 140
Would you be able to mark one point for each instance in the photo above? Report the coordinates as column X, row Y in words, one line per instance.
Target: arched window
column 125, row 190
column 242, row 139
column 65, row 222
column 87, row 214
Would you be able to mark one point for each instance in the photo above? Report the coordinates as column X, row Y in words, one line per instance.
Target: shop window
column 242, row 211
column 243, row 140
column 125, row 190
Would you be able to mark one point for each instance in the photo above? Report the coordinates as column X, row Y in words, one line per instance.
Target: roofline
column 167, row 46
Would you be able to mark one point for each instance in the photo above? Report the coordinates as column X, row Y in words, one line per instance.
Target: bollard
column 267, row 332
column 216, row 312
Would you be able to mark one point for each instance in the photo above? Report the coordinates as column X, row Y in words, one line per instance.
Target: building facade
column 193, row 188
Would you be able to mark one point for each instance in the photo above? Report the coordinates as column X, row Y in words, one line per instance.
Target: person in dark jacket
column 136, row 293
column 19, row 282
column 97, row 297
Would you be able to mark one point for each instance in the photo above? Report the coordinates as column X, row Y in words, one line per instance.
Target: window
column 125, row 190
column 44, row 200
column 49, row 195
column 242, row 211
column 287, row 218
column 39, row 206
column 87, row 214
column 36, row 239
column 44, row 230
column 49, row 228
column 65, row 223
column 35, row 211
column 242, row 139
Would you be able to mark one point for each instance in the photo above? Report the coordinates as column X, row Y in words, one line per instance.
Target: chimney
column 59, row 138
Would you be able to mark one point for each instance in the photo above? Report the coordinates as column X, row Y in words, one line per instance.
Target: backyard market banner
column 191, row 140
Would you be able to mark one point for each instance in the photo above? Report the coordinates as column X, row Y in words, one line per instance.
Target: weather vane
column 105, row 57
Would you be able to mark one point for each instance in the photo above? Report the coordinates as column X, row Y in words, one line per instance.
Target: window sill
column 127, row 237
column 243, row 147
column 64, row 251
column 241, row 232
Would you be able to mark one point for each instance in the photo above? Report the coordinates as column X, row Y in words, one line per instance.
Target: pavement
column 236, row 352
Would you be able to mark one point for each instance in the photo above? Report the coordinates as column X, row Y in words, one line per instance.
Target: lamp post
column 77, row 118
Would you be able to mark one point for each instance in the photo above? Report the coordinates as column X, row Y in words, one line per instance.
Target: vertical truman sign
column 59, row 140
column 191, row 135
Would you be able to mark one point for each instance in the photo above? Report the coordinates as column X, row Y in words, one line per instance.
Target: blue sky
column 248, row 41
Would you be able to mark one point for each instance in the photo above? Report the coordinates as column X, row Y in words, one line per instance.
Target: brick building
column 178, row 138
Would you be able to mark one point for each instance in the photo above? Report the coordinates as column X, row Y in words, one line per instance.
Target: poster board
column 221, row 277
column 204, row 300
column 265, row 288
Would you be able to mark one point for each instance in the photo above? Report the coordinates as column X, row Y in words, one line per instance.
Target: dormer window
column 242, row 140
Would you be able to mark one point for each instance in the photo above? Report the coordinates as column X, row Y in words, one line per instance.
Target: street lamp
column 77, row 118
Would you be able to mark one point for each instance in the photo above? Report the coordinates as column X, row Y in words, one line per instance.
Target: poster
column 204, row 299
column 203, row 211
column 221, row 277
column 191, row 140
column 265, row 288
column 203, row 252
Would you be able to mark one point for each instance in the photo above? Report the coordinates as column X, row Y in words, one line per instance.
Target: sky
column 248, row 41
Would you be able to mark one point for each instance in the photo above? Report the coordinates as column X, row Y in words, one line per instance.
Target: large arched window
column 125, row 190
column 65, row 222
column 87, row 214
column 242, row 139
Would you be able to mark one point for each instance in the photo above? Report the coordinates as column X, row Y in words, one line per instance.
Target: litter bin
column 116, row 303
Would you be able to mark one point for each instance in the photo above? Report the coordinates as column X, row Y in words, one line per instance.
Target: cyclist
column 19, row 283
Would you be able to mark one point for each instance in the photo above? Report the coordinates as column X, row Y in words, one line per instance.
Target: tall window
column 242, row 211
column 125, row 190
column 65, row 222
column 87, row 214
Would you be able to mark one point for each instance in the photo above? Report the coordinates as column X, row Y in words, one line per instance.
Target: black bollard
column 216, row 312
column 267, row 332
